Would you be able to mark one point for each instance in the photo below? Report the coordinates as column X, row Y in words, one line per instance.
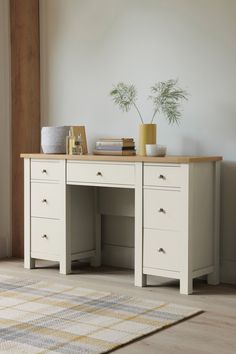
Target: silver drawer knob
column 44, row 201
column 161, row 250
column 44, row 236
column 99, row 173
column 162, row 177
column 44, row 171
column 161, row 210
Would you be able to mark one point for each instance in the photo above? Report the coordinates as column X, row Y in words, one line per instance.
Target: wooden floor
column 213, row 331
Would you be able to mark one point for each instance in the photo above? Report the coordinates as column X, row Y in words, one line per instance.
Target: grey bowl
column 53, row 139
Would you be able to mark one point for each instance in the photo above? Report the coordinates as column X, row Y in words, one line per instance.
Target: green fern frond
column 125, row 97
column 166, row 97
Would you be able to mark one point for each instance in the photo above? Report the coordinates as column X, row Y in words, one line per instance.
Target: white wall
column 88, row 45
column 4, row 129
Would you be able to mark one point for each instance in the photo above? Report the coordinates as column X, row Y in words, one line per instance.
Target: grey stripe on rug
column 45, row 317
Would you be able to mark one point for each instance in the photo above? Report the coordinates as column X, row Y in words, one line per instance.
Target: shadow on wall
column 191, row 146
column 228, row 220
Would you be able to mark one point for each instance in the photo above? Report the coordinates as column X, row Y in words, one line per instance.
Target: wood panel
column 25, row 81
column 5, row 228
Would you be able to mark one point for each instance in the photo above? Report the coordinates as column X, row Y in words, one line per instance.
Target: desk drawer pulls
column 167, row 222
column 100, row 173
column 46, row 170
column 161, row 210
column 161, row 249
column 162, row 177
column 46, row 200
column 46, row 236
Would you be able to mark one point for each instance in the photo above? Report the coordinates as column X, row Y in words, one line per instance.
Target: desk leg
column 96, row 261
column 139, row 278
column 65, row 266
column 214, row 278
column 29, row 262
column 65, row 261
column 186, row 284
column 186, row 272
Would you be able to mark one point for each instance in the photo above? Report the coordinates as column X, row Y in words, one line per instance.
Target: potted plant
column 166, row 97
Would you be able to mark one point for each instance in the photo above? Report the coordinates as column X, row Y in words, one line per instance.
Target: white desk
column 176, row 212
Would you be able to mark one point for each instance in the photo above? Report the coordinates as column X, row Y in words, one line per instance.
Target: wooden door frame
column 25, row 104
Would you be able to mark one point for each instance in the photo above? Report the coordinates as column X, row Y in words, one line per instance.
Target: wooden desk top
column 137, row 158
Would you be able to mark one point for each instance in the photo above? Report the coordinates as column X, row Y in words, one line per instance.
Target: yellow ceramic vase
column 147, row 135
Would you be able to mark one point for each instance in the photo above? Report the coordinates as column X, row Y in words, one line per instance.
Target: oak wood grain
column 25, row 95
column 137, row 158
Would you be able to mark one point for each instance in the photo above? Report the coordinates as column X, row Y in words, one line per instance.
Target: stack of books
column 120, row 147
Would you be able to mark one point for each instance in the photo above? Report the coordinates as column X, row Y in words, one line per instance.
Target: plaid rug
column 46, row 317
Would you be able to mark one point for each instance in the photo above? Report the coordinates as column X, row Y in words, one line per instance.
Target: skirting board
column 118, row 256
column 228, row 272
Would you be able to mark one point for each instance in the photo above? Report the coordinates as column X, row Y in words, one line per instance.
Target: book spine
column 109, row 143
column 106, row 152
column 122, row 140
column 114, row 143
column 114, row 148
column 118, row 153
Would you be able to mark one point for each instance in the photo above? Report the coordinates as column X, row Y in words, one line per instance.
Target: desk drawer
column 100, row 173
column 46, row 236
column 162, row 250
column 164, row 209
column 163, row 176
column 46, row 200
column 46, row 170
